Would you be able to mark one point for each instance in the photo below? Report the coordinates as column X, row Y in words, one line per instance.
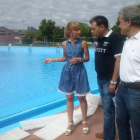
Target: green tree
column 84, row 30
column 89, row 34
column 138, row 6
column 42, row 29
column 50, row 27
column 58, row 32
column 26, row 40
column 29, row 35
column 115, row 27
column 39, row 35
column 47, row 28
column 117, row 30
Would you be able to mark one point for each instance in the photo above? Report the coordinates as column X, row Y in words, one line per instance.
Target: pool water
column 25, row 82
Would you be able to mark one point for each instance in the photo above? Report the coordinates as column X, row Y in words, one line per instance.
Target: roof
column 2, row 28
column 17, row 31
column 30, row 29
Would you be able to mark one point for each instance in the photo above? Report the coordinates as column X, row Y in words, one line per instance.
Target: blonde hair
column 71, row 26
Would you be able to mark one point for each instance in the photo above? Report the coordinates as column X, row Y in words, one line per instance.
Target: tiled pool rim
column 35, row 111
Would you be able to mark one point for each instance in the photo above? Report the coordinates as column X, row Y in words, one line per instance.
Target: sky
column 19, row 14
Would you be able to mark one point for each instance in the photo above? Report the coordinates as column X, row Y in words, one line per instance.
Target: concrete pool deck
column 95, row 123
column 93, row 101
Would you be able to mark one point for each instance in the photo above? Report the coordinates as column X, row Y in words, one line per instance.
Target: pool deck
column 95, row 123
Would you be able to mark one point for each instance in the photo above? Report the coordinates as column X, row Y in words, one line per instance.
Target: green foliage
column 138, row 6
column 27, row 41
column 29, row 35
column 46, row 28
column 89, row 34
column 117, row 30
column 43, row 29
column 48, row 31
column 115, row 27
column 50, row 27
column 84, row 30
column 58, row 32
column 39, row 35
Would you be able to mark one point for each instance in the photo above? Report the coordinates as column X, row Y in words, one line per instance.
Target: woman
column 74, row 76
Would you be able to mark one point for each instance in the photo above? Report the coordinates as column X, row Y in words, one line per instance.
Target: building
column 17, row 32
column 22, row 34
column 6, row 35
column 14, row 35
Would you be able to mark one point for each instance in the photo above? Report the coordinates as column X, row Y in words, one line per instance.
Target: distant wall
column 6, row 35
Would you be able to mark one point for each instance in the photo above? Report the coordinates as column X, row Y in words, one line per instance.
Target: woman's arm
column 86, row 52
column 60, row 59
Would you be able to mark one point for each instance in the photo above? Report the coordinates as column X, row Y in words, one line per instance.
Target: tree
column 138, row 6
column 26, row 41
column 28, row 37
column 46, row 28
column 84, row 29
column 58, row 32
column 117, row 30
column 42, row 29
column 39, row 35
column 50, row 28
column 115, row 27
column 89, row 34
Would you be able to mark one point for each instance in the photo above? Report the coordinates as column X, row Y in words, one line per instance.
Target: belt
column 135, row 85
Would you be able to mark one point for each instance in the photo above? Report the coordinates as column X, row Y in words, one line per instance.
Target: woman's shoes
column 85, row 129
column 69, row 131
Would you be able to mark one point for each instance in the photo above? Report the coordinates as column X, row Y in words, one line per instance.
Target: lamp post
column 3, row 23
column 22, row 24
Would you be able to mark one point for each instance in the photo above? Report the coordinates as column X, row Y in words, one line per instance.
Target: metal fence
column 49, row 43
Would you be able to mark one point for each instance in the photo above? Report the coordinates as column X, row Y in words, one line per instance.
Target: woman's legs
column 70, row 108
column 83, row 104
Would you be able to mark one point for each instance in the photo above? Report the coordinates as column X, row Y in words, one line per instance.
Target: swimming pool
column 25, row 82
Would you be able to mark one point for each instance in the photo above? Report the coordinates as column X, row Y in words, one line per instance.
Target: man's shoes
column 99, row 135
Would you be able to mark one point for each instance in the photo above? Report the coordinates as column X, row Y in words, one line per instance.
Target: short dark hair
column 99, row 20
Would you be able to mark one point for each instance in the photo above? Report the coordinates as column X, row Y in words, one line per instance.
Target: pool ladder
column 58, row 49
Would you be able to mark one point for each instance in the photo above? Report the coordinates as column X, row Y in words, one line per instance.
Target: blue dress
column 74, row 77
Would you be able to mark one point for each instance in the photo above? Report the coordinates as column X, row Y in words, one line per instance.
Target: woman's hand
column 48, row 60
column 75, row 60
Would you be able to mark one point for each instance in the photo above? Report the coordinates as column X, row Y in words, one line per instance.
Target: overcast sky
column 19, row 14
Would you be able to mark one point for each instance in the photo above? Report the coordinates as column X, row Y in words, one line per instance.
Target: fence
column 50, row 43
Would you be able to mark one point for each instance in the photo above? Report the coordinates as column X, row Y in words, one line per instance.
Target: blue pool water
column 25, row 82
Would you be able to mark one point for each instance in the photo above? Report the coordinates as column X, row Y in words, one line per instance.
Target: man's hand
column 112, row 88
